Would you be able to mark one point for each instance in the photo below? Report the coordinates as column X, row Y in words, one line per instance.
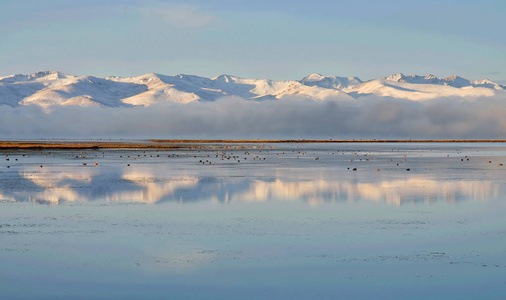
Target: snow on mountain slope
column 454, row 81
column 399, row 77
column 315, row 93
column 15, row 88
column 330, row 82
column 157, row 90
column 55, row 88
column 486, row 83
column 249, row 88
column 187, row 88
column 414, row 87
column 86, row 91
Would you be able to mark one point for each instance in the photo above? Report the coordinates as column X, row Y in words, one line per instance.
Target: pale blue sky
column 285, row 39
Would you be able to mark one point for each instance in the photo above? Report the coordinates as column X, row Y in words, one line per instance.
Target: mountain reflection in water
column 147, row 185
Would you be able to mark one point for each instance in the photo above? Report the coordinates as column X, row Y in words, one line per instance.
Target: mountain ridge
column 48, row 88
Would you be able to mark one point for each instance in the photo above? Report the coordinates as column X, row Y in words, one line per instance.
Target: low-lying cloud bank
column 289, row 117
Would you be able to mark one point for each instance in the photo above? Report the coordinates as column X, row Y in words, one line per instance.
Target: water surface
column 278, row 221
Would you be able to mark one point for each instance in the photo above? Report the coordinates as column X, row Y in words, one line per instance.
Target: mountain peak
column 456, row 81
column 48, row 74
column 330, row 82
column 399, row 77
column 224, row 78
column 453, row 78
column 413, row 78
column 395, row 77
column 313, row 77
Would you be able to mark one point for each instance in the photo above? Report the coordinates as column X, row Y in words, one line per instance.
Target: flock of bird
column 222, row 154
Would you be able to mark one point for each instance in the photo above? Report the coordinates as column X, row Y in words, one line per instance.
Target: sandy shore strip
column 324, row 141
column 196, row 143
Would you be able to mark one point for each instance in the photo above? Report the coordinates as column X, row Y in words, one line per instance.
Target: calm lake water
column 282, row 221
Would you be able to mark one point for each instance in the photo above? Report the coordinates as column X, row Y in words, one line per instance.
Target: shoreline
column 181, row 141
column 201, row 143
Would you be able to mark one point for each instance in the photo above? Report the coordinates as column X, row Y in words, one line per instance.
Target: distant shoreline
column 194, row 143
column 325, row 141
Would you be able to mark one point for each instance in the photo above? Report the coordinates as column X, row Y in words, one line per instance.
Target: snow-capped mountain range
column 56, row 88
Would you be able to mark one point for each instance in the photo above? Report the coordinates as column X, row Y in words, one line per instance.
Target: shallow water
column 299, row 224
